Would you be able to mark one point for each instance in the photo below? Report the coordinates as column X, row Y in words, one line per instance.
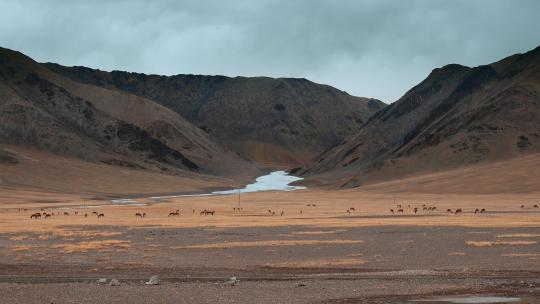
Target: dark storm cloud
column 368, row 48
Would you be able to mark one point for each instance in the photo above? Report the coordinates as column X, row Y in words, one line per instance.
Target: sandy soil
column 517, row 175
column 312, row 254
column 45, row 173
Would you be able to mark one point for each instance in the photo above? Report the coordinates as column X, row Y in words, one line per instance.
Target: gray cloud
column 367, row 48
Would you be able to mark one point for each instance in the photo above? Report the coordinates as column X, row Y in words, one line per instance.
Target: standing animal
column 138, row 214
column 476, row 211
column 535, row 206
column 352, row 209
column 482, row 210
column 207, row 212
column 449, row 210
column 458, row 211
column 35, row 215
column 100, row 215
column 66, row 213
column 400, row 211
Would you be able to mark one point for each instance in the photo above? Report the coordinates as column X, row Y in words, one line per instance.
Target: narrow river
column 274, row 181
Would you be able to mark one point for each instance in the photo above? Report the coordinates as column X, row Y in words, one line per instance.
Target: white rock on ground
column 232, row 281
column 154, row 280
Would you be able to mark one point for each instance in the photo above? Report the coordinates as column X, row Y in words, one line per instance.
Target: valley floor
column 311, row 254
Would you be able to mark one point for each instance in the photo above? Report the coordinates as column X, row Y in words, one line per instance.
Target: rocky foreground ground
column 323, row 254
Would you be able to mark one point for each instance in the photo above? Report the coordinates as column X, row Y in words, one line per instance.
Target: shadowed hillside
column 456, row 117
column 283, row 122
column 41, row 109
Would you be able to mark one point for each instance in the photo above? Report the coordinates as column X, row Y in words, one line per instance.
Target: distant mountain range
column 221, row 126
column 284, row 121
column 202, row 124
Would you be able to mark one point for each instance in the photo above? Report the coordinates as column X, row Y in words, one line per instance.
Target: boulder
column 154, row 280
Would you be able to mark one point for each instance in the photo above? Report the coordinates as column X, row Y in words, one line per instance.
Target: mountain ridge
column 456, row 116
column 43, row 109
column 294, row 117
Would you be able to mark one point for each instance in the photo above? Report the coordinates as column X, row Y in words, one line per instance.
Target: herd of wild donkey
column 45, row 215
column 398, row 210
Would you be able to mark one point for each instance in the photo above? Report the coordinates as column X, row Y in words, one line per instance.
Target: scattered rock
column 154, row 280
column 232, row 281
column 114, row 282
column 8, row 160
column 102, row 281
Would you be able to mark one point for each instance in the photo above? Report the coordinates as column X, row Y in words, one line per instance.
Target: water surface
column 274, row 181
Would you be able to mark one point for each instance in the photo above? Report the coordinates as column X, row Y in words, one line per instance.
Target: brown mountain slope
column 39, row 108
column 512, row 176
column 282, row 121
column 29, row 169
column 456, row 117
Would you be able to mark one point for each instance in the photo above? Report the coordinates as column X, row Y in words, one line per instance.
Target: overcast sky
column 372, row 48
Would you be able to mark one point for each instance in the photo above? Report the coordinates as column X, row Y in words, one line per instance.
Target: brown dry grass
column 226, row 245
column 328, row 213
column 521, row 255
column 18, row 238
column 322, row 263
column 319, row 232
column 326, row 219
column 500, row 243
column 518, row 235
column 20, row 248
column 91, row 245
